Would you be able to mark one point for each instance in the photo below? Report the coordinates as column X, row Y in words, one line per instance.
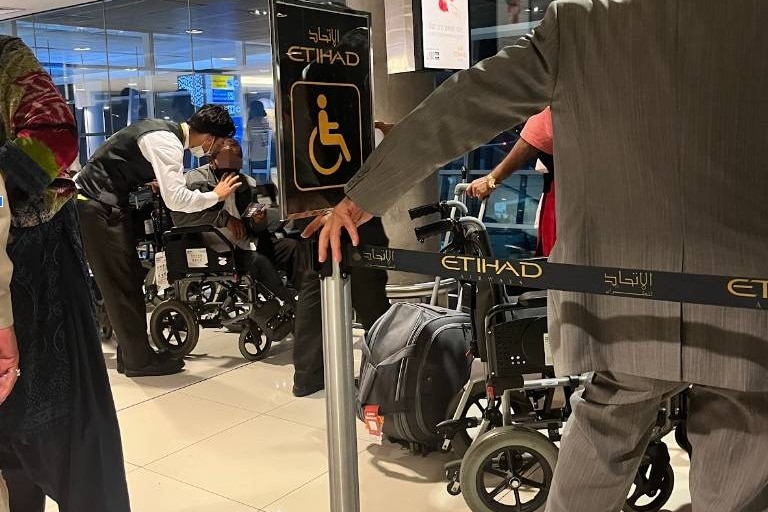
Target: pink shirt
column 538, row 131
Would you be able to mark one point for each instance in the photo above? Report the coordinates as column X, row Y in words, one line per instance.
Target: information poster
column 221, row 90
column 445, row 34
column 325, row 121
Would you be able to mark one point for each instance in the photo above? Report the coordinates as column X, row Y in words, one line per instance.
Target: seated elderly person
column 258, row 250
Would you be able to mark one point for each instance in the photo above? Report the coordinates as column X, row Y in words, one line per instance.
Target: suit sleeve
column 465, row 112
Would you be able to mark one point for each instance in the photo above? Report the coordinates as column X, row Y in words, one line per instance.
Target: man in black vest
column 138, row 154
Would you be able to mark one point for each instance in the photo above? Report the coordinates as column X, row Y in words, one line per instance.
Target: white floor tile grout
column 202, row 489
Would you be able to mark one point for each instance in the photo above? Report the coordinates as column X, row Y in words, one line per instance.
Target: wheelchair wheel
column 476, row 407
column 253, row 344
column 174, row 328
column 508, row 469
column 647, row 495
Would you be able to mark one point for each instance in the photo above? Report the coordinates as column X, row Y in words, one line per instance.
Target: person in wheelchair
column 259, row 247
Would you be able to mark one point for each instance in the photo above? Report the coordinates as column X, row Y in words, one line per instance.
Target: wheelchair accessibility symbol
column 327, row 136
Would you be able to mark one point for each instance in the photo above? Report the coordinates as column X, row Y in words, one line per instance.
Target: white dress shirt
column 165, row 152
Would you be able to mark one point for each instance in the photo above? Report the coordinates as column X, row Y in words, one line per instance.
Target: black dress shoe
column 157, row 368
column 311, row 389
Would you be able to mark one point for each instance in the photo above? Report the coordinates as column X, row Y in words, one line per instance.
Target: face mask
column 199, row 152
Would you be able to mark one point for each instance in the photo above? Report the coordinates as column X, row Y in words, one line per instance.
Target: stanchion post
column 336, row 298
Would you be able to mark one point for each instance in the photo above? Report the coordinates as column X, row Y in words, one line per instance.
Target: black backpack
column 415, row 359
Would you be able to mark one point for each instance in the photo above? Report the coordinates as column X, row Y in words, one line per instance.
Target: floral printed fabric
column 38, row 136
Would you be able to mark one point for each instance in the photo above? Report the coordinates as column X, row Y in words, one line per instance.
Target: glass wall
column 510, row 215
column 119, row 61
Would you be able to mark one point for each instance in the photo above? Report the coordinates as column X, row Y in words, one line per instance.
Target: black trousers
column 111, row 252
column 82, row 474
column 369, row 299
column 286, row 256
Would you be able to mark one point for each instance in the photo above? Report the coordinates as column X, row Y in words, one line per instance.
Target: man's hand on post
column 227, row 186
column 9, row 362
column 345, row 215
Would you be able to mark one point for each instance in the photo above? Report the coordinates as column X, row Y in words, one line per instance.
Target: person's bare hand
column 259, row 216
column 236, row 227
column 9, row 362
column 479, row 188
column 227, row 186
column 154, row 185
column 345, row 215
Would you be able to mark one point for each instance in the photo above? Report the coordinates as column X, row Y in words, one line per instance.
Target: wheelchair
column 208, row 290
column 503, row 427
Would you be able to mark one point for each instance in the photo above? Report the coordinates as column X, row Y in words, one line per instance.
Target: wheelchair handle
column 461, row 188
column 424, row 210
column 444, row 208
column 433, row 229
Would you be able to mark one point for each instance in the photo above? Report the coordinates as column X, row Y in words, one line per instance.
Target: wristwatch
column 491, row 181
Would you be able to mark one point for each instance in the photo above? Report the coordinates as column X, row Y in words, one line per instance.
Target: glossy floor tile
column 227, row 435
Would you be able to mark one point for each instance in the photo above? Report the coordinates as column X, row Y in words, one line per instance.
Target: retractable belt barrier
column 729, row 291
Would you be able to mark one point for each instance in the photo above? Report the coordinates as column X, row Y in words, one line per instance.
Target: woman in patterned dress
column 59, row 434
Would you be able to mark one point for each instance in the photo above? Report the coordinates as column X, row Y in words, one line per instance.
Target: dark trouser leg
column 604, row 440
column 369, row 286
column 293, row 258
column 24, row 495
column 111, row 253
column 82, row 473
column 369, row 298
column 308, row 336
column 261, row 269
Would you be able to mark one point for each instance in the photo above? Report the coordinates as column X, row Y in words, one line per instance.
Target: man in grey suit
column 660, row 119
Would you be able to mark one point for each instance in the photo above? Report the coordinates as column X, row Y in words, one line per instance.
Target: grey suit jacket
column 661, row 142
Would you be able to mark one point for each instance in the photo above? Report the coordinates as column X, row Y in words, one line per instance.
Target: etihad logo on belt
column 502, row 268
column 750, row 288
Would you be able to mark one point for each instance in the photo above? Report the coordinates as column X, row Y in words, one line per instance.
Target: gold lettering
column 536, row 268
column 741, row 284
column 324, row 56
column 292, row 53
column 466, row 259
column 508, row 266
column 353, row 59
column 450, row 263
column 763, row 282
column 338, row 56
column 494, row 266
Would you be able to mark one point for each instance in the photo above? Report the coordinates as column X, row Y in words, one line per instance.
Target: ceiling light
column 79, row 89
column 132, row 84
column 106, row 107
column 146, row 90
column 82, row 49
column 4, row 11
column 194, row 31
column 227, row 58
column 131, row 69
column 255, row 12
column 535, row 9
column 167, row 118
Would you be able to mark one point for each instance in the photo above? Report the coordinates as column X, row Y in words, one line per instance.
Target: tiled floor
column 226, row 436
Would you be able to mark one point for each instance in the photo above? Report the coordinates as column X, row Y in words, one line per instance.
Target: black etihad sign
column 324, row 104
